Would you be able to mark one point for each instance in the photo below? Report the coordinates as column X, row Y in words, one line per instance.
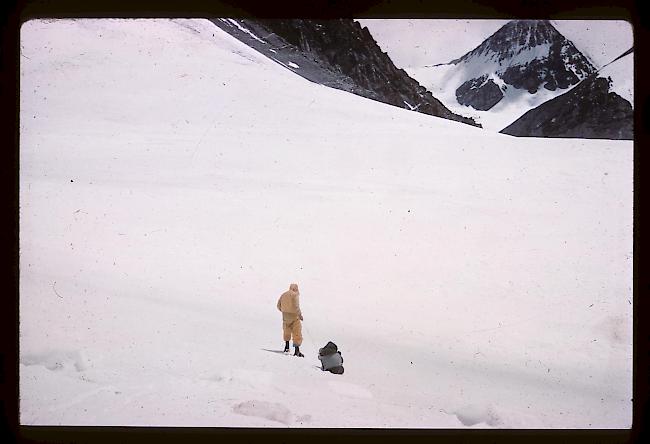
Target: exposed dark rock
column 341, row 54
column 563, row 66
column 551, row 72
column 481, row 93
column 590, row 110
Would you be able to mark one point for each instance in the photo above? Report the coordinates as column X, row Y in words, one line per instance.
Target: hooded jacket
column 289, row 304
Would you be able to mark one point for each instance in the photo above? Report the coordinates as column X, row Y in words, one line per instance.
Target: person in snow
column 330, row 358
column 289, row 305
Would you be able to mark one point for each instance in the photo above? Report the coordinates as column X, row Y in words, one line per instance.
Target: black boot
column 297, row 352
column 286, row 346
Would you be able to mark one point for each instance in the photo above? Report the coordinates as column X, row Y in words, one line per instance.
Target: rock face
column 591, row 110
column 341, row 54
column 523, row 54
column 481, row 93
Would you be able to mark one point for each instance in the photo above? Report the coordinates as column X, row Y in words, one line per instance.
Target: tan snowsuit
column 289, row 305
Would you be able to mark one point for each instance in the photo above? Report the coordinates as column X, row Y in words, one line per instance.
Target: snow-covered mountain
column 337, row 53
column 523, row 64
column 601, row 106
column 174, row 181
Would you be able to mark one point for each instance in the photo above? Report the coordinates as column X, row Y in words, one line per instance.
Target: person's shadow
column 275, row 351
column 281, row 352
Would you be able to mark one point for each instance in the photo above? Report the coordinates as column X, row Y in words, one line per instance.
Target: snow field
column 174, row 182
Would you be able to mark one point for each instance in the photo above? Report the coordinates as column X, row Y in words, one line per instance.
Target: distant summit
column 520, row 66
column 523, row 54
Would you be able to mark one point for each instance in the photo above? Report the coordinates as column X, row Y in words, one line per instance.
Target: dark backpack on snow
column 331, row 359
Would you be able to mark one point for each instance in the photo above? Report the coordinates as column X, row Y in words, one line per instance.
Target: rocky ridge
column 592, row 109
column 340, row 54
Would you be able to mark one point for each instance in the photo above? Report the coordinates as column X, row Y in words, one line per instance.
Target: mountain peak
column 515, row 37
column 522, row 55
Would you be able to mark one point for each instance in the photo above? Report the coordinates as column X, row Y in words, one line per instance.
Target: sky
column 418, row 42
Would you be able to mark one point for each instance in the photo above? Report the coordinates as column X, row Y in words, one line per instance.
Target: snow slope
column 515, row 101
column 173, row 182
column 620, row 73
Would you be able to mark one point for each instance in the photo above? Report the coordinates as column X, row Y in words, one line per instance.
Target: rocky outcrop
column 481, row 93
column 341, row 54
column 590, row 110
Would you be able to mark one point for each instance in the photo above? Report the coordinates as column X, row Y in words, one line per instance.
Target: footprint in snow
column 57, row 360
column 303, row 419
column 273, row 411
column 252, row 378
column 473, row 414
